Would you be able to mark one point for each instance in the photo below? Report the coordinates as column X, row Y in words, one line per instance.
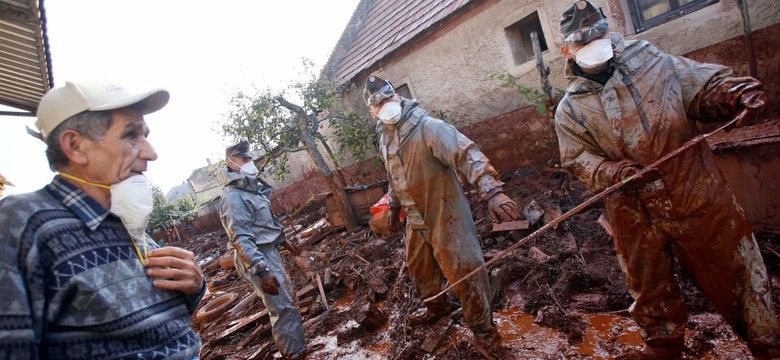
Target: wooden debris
column 315, row 233
column 322, row 292
column 511, row 225
column 327, row 281
column 243, row 305
column 211, row 266
column 226, row 261
column 439, row 331
column 261, row 332
column 550, row 214
column 538, row 255
column 262, row 316
column 369, row 315
column 261, row 351
column 306, row 291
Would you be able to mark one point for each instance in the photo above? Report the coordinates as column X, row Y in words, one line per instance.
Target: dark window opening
column 519, row 37
column 649, row 13
column 404, row 91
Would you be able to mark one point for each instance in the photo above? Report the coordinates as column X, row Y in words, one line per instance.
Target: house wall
column 451, row 70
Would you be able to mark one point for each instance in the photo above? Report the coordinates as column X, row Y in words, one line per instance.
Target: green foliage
column 277, row 130
column 166, row 214
column 534, row 95
column 354, row 134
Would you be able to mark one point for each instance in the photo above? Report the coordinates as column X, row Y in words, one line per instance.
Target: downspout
column 743, row 5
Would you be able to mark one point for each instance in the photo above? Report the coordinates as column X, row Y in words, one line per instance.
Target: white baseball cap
column 61, row 103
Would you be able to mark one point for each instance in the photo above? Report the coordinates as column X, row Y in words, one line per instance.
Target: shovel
column 554, row 223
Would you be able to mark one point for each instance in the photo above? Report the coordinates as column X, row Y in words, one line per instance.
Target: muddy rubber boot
column 431, row 312
column 488, row 339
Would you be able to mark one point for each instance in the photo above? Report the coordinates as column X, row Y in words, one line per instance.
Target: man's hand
column 625, row 169
column 502, row 208
column 269, row 284
column 174, row 269
column 394, row 218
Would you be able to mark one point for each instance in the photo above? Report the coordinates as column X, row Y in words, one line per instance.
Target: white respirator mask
column 132, row 201
column 249, row 169
column 593, row 56
column 390, row 112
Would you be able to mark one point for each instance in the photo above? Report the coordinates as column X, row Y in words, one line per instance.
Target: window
column 519, row 37
column 404, row 91
column 649, row 13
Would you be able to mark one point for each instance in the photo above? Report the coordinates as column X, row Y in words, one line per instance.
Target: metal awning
column 25, row 62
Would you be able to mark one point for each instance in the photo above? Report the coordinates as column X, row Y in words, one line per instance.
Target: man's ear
column 72, row 144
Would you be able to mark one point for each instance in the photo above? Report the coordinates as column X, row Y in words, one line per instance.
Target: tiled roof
column 378, row 27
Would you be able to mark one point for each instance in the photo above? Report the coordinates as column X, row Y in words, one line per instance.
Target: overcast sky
column 201, row 51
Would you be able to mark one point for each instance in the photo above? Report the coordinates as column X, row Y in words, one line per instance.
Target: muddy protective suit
column 422, row 156
column 254, row 232
column 646, row 109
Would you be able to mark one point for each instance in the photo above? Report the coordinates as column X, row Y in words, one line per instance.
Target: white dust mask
column 390, row 112
column 132, row 201
column 249, row 169
column 593, row 56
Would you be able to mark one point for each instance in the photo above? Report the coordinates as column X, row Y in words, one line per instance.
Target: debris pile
column 355, row 292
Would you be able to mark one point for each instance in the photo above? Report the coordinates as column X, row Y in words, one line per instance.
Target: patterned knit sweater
column 74, row 288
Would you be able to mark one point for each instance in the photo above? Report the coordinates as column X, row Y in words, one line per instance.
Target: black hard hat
column 583, row 22
column 239, row 150
column 376, row 90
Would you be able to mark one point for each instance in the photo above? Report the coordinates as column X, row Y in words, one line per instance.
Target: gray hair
column 91, row 124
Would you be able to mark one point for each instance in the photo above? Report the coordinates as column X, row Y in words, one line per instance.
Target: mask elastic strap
column 69, row 176
column 137, row 251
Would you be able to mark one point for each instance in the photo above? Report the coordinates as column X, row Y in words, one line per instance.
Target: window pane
column 653, row 8
column 686, row 2
column 519, row 37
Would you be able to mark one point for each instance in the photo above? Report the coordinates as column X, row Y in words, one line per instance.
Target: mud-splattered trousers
column 422, row 156
column 647, row 109
column 254, row 232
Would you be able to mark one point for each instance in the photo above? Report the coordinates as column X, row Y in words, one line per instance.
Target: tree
column 282, row 122
column 166, row 214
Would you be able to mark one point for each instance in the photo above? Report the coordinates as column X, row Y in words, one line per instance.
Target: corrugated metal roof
column 378, row 27
column 25, row 63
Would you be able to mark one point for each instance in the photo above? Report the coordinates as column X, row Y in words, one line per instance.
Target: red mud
column 562, row 295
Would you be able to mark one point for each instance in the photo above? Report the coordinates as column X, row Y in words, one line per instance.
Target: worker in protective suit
column 422, row 155
column 254, row 233
column 627, row 105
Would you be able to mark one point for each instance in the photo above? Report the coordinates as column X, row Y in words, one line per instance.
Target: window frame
column 517, row 42
column 641, row 24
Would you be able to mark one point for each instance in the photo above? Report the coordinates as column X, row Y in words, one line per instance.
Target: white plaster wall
column 454, row 72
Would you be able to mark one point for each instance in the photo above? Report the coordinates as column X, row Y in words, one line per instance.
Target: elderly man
column 423, row 157
column 628, row 104
column 254, row 233
column 80, row 280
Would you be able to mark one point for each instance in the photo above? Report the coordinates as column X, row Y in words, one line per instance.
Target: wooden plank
column 511, row 225
column 244, row 322
column 322, row 292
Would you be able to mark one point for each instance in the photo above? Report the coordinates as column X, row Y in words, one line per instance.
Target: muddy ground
column 560, row 296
